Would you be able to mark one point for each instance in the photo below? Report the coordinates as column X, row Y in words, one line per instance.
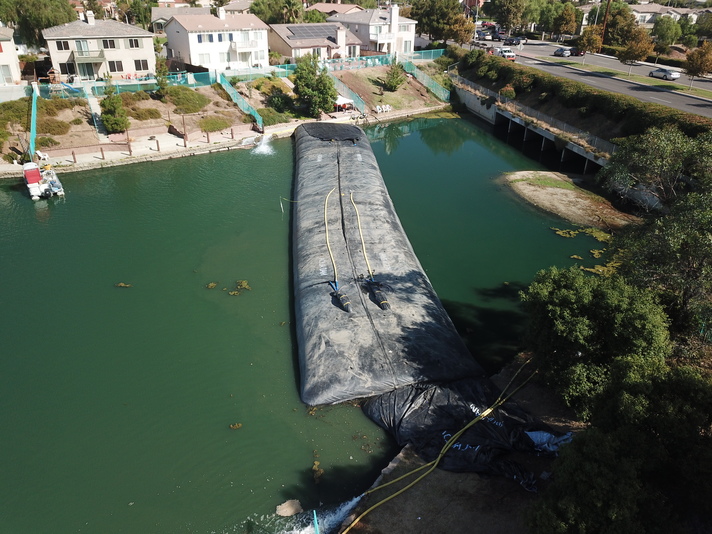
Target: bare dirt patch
column 561, row 195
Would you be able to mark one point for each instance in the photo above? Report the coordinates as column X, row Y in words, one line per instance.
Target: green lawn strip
column 646, row 80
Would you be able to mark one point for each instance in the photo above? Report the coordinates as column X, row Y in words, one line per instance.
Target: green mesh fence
column 344, row 90
column 241, row 102
column 424, row 55
column 437, row 89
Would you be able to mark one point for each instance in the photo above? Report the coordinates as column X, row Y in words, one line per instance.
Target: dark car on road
column 577, row 52
column 562, row 52
column 512, row 41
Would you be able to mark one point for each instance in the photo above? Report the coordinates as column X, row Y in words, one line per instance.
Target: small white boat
column 42, row 182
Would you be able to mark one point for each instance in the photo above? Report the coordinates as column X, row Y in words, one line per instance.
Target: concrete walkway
column 168, row 146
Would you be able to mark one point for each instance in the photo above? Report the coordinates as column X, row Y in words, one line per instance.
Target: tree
column 590, row 40
column 704, row 25
column 667, row 31
column 571, row 316
column 461, row 31
column 33, row 16
column 698, row 62
column 140, row 13
column 532, row 12
column 314, row 88
column 95, row 7
column 508, row 13
column 216, row 4
column 548, row 15
column 639, row 47
column 620, row 24
column 435, row 17
column 268, row 11
column 672, row 254
column 313, row 15
column 654, row 160
column 395, row 77
column 565, row 22
column 292, row 11
column 113, row 113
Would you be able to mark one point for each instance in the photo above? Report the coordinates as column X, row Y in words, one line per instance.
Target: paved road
column 535, row 54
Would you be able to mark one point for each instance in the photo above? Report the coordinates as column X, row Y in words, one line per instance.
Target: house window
column 229, row 37
column 116, row 66
column 62, row 45
column 352, row 51
column 203, row 59
column 67, row 68
column 402, row 27
column 200, row 37
column 316, row 52
column 134, row 43
column 140, row 64
column 407, row 47
column 223, row 57
column 5, row 73
column 220, row 37
column 210, row 37
column 259, row 54
column 108, row 43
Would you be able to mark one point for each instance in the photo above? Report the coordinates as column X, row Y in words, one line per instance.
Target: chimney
column 221, row 13
column 394, row 19
column 90, row 17
column 341, row 40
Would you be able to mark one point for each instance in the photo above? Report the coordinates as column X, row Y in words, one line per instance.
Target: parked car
column 512, row 41
column 505, row 52
column 562, row 52
column 483, row 36
column 577, row 52
column 522, row 39
column 489, row 25
column 665, row 74
column 496, row 36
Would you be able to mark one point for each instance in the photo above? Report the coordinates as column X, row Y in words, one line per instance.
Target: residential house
column 332, row 9
column 93, row 49
column 238, row 7
column 324, row 40
column 161, row 15
column 646, row 14
column 381, row 30
column 221, row 42
column 9, row 66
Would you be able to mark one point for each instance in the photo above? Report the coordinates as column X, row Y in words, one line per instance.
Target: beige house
column 222, row 42
column 325, row 40
column 161, row 15
column 91, row 49
column 9, row 66
column 332, row 9
column 382, row 30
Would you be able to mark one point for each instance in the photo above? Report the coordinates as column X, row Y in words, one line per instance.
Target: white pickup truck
column 505, row 52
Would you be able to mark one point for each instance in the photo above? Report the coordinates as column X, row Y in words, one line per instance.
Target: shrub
column 49, row 125
column 186, row 100
column 144, row 114
column 213, row 124
column 76, row 121
column 395, row 77
column 280, row 102
column 271, row 117
column 10, row 158
column 508, row 92
column 46, row 142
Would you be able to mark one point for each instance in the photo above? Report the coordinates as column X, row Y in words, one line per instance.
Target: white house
column 94, row 49
column 324, row 40
column 218, row 43
column 9, row 66
column 382, row 30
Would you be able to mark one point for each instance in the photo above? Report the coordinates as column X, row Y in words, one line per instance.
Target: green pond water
column 116, row 403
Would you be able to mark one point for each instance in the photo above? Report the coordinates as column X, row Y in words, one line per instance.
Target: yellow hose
column 360, row 233
column 433, row 464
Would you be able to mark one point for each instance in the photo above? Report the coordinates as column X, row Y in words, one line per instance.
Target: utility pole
column 605, row 20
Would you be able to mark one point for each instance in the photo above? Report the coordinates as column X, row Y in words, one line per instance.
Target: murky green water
column 115, row 403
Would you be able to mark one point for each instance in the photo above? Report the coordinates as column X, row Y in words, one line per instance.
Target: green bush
column 143, row 114
column 280, row 102
column 508, row 92
column 10, row 158
column 270, row 117
column 76, row 121
column 213, row 124
column 186, row 100
column 46, row 142
column 52, row 126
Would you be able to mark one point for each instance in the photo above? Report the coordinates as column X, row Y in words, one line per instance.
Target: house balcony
column 243, row 45
column 383, row 38
column 87, row 56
